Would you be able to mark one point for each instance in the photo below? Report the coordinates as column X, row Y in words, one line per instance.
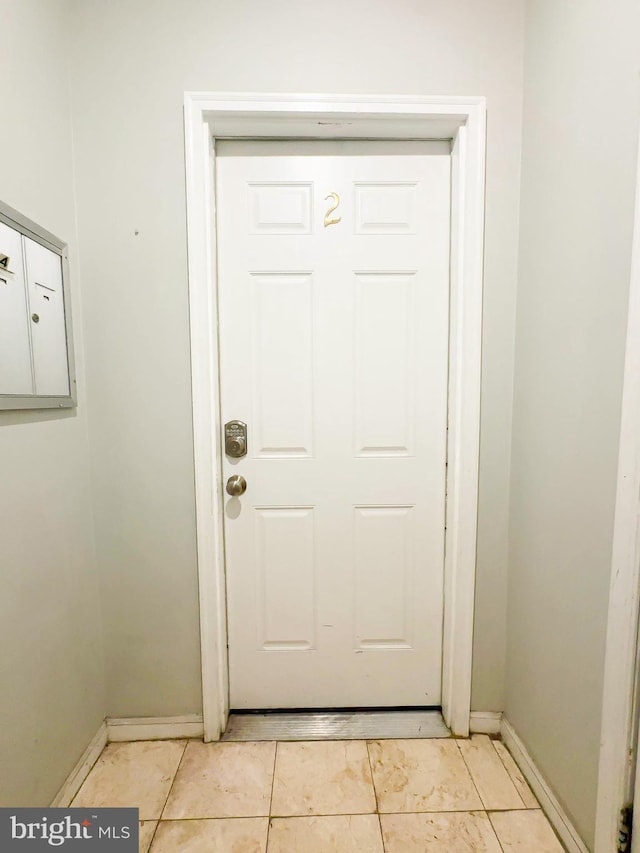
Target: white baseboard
column 547, row 799
column 129, row 729
column 154, row 728
column 80, row 772
column 485, row 722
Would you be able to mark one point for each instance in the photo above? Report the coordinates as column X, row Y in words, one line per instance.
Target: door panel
column 385, row 364
column 385, row 570
column 283, row 420
column 385, row 208
column 48, row 335
column 281, row 208
column 285, row 561
column 15, row 349
column 334, row 351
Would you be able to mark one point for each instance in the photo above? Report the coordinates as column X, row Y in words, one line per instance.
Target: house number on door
column 334, row 206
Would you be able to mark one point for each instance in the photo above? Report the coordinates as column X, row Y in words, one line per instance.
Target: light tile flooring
column 389, row 796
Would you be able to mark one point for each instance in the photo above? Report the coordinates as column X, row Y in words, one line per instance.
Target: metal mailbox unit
column 36, row 345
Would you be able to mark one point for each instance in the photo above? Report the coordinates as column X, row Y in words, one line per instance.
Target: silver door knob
column 236, row 486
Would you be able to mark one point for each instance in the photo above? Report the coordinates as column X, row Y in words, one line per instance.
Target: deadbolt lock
column 235, row 439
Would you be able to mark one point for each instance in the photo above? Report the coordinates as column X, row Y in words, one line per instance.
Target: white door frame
column 619, row 710
column 230, row 115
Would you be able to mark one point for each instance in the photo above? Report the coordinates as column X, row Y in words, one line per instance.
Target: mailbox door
column 46, row 308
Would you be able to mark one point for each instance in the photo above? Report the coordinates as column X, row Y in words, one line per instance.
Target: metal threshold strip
column 335, row 725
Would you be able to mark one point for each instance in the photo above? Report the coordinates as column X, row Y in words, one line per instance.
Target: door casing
column 618, row 773
column 248, row 115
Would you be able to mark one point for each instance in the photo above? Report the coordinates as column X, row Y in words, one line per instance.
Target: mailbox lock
column 235, row 439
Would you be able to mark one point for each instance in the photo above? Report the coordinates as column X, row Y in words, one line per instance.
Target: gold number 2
column 334, row 206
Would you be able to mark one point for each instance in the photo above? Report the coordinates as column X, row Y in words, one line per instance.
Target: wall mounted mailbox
column 36, row 346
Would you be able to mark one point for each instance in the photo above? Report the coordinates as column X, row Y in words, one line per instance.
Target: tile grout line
column 537, row 807
column 221, row 818
column 529, row 811
column 528, row 808
column 473, row 782
column 273, row 782
column 495, row 832
column 484, row 805
column 468, row 769
column 375, row 794
column 338, row 814
column 166, row 800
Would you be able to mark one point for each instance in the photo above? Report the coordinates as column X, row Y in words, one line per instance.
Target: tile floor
column 389, row 796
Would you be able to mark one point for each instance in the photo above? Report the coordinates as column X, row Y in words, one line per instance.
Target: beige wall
column 132, row 62
column 51, row 669
column 580, row 137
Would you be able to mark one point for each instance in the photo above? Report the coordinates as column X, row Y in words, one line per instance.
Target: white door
column 334, row 351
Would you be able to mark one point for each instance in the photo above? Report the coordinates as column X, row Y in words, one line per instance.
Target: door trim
column 232, row 115
column 620, row 711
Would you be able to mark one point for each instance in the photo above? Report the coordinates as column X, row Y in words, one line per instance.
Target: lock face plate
column 235, row 439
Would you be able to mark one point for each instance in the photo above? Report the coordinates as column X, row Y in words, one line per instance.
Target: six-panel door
column 333, row 263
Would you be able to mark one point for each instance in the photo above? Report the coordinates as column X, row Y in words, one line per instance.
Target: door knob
column 236, row 486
